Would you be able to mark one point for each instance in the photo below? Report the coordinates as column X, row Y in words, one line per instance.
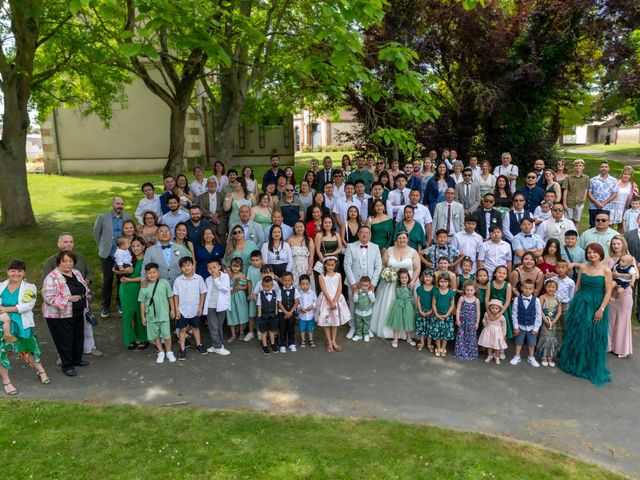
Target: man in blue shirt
column 271, row 175
column 533, row 194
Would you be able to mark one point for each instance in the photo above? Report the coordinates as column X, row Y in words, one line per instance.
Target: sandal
column 303, row 344
column 10, row 392
column 329, row 349
column 241, row 337
column 44, row 378
column 394, row 344
column 437, row 352
column 337, row 348
column 232, row 339
column 312, row 344
column 411, row 342
column 420, row 347
column 142, row 346
column 430, row 348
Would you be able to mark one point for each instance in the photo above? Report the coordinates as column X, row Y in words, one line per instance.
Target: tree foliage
column 499, row 75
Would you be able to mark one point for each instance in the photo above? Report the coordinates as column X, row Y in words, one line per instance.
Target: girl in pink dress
column 494, row 333
column 332, row 309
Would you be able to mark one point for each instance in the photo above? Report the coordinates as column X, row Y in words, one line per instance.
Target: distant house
column 323, row 130
column 138, row 138
column 597, row 132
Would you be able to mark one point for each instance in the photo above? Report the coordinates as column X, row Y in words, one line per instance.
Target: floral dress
column 300, row 262
column 466, row 339
column 442, row 329
column 426, row 299
column 548, row 344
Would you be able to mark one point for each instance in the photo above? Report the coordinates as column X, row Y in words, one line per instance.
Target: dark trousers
column 68, row 336
column 287, row 330
column 107, row 281
column 592, row 217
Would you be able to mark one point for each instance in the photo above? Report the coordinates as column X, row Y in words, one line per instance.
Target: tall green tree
column 46, row 57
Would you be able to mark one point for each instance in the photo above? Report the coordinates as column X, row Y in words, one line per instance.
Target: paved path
column 541, row 405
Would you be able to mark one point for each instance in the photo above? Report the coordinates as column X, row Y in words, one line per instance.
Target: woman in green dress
column 237, row 246
column 236, row 199
column 381, row 226
column 134, row 333
column 417, row 239
column 261, row 213
column 18, row 299
column 584, row 345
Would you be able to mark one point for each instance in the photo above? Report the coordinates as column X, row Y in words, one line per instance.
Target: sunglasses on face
column 533, row 177
column 601, row 219
column 489, row 201
column 466, row 174
column 519, row 200
column 238, row 232
column 288, row 190
column 558, row 210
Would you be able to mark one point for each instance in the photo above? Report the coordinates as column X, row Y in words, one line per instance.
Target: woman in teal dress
column 238, row 314
column 18, row 299
column 382, row 226
column 237, row 246
column 134, row 333
column 586, row 333
column 417, row 238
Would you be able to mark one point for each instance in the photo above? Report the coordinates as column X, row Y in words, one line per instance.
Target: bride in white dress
column 401, row 255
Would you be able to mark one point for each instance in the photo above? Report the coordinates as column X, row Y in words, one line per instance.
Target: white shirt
column 363, row 205
column 538, row 214
column 330, row 202
column 494, row 255
column 218, row 290
column 566, row 288
column 514, row 314
column 469, row 246
column 146, row 205
column 198, row 188
column 507, row 171
column 338, row 191
column 258, row 288
column 224, row 181
column 341, row 207
column 306, row 300
column 171, row 220
column 421, row 215
column 506, row 222
column 278, row 256
column 397, row 199
column 213, row 202
column 188, row 291
column 477, row 170
column 123, row 257
column 270, row 292
column 552, row 228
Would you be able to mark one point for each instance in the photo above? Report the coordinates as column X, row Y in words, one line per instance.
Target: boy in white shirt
column 526, row 315
column 307, row 300
column 122, row 258
column 565, row 292
column 189, row 292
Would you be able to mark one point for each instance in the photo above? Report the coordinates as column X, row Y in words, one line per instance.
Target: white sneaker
column 533, row 362
column 259, row 336
column 366, row 339
column 488, row 359
column 356, row 338
column 160, row 357
column 283, row 349
column 502, row 356
column 171, row 357
column 515, row 360
column 293, row 348
column 371, row 334
column 552, row 364
column 248, row 337
column 352, row 332
column 218, row 351
column 497, row 360
column 544, row 363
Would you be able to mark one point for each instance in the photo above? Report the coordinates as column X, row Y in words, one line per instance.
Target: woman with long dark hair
column 436, row 186
column 277, row 253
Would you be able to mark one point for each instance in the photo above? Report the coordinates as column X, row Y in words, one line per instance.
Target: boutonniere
column 494, row 220
column 251, row 236
column 28, row 296
column 455, row 215
column 177, row 252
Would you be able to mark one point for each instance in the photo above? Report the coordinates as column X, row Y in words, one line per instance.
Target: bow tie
column 527, row 236
column 164, row 247
column 528, row 299
column 364, row 246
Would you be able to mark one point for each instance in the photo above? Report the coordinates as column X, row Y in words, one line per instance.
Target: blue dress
column 466, row 339
column 203, row 257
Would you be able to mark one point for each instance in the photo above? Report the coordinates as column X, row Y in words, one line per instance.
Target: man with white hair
column 508, row 170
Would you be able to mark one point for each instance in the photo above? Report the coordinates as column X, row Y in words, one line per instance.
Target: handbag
column 90, row 318
column 319, row 267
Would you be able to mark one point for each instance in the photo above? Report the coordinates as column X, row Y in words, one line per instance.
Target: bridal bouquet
column 389, row 274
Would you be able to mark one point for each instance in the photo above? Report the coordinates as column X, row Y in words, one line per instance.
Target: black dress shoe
column 83, row 363
column 70, row 372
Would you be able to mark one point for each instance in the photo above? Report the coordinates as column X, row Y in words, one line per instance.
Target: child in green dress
column 238, row 314
column 253, row 278
column 443, row 304
column 500, row 289
column 425, row 311
column 466, row 265
column 156, row 308
column 403, row 312
column 482, row 283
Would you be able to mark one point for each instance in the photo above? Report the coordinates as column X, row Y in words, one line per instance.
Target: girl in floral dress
column 444, row 304
column 332, row 309
column 425, row 299
column 548, row 344
column 467, row 318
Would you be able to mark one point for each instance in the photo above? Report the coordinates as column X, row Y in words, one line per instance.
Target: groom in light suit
column 166, row 254
column 361, row 258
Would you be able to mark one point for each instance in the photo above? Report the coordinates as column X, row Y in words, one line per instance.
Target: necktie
column 326, row 176
column 519, row 215
column 467, row 187
column 448, row 218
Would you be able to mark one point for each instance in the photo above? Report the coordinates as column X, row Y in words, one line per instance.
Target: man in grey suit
column 166, row 254
column 361, row 258
column 252, row 230
column 211, row 204
column 448, row 215
column 106, row 230
column 468, row 193
column 633, row 240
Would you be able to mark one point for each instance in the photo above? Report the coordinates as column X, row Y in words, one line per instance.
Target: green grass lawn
column 619, row 149
column 38, row 440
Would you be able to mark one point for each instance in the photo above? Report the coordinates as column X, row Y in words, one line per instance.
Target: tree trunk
column 226, row 131
column 15, row 202
column 175, row 160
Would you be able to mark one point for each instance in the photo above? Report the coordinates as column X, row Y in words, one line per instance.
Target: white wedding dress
column 386, row 295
